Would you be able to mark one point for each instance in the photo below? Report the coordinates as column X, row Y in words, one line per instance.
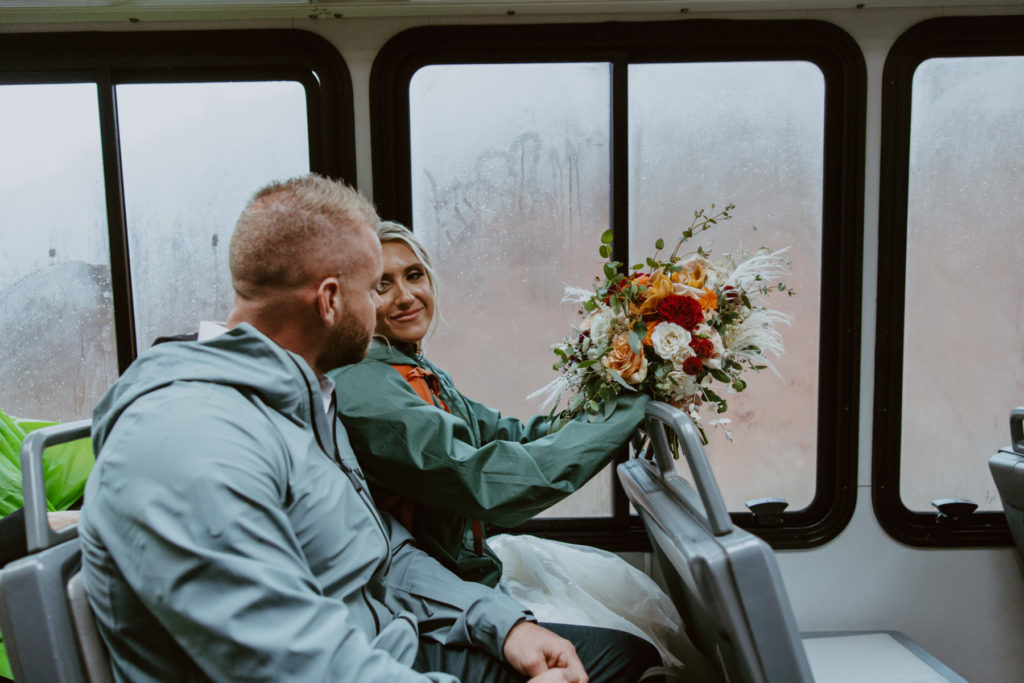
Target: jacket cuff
column 492, row 619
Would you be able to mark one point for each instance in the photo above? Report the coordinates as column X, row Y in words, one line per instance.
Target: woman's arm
column 428, row 455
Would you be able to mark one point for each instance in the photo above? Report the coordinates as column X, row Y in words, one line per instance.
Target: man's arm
column 192, row 509
column 457, row 612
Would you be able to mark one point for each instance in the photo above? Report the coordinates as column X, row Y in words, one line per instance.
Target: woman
column 441, row 462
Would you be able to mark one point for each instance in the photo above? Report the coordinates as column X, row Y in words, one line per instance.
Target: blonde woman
column 441, row 462
column 444, row 464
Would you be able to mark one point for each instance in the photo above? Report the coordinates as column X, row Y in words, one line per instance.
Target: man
column 227, row 531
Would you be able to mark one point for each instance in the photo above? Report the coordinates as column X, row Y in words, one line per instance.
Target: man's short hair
column 294, row 231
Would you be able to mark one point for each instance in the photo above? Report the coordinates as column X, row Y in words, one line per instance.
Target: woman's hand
column 546, row 656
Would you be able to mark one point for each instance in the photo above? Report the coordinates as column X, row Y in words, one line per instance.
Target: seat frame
column 44, row 639
column 725, row 581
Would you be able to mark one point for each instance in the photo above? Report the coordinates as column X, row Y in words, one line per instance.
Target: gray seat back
column 1007, row 467
column 724, row 580
column 35, row 614
column 94, row 652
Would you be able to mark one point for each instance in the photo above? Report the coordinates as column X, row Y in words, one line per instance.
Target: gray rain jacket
column 228, row 534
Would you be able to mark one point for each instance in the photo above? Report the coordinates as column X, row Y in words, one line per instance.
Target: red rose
column 702, row 346
column 681, row 310
column 692, row 365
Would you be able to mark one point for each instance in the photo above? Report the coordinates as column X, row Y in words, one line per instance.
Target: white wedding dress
column 575, row 584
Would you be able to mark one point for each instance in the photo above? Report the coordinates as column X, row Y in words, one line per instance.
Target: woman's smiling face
column 407, row 299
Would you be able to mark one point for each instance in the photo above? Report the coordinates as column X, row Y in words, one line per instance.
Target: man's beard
column 347, row 344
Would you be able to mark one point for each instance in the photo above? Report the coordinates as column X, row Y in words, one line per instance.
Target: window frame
column 940, row 37
column 109, row 59
column 697, row 40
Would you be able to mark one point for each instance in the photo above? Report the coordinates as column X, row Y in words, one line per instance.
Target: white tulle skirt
column 575, row 584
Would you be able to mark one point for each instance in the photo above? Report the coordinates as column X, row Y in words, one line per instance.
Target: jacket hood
column 243, row 357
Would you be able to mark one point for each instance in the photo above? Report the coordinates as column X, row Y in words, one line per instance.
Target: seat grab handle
column 660, row 416
column 39, row 535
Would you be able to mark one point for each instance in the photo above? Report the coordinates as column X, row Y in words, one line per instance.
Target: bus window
column 510, row 149
column 193, row 153
column 749, row 133
column 510, row 176
column 964, row 256
column 951, row 305
column 130, row 164
column 57, row 313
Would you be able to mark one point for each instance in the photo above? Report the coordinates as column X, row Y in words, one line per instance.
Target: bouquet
column 685, row 330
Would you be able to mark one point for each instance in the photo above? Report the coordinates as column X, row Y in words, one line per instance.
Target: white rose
column 671, row 342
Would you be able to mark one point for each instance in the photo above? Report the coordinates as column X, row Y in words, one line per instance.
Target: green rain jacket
column 228, row 535
column 471, row 463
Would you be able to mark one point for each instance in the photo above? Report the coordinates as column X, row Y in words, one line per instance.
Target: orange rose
column 632, row 367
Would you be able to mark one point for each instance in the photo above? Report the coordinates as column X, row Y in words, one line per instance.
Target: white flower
column 685, row 385
column 671, row 342
column 601, row 326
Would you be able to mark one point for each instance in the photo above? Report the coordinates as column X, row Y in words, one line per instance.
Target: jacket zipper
column 353, row 478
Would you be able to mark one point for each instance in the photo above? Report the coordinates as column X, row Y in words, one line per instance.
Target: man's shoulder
column 187, row 415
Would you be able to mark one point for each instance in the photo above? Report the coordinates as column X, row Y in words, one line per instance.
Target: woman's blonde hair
column 392, row 231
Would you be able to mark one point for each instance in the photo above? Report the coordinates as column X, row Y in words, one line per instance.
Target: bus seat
column 35, row 614
column 94, row 651
column 727, row 586
column 1007, row 467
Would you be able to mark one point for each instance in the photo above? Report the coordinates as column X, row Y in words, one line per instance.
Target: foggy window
column 56, row 309
column 510, row 186
column 750, row 134
column 963, row 356
column 193, row 154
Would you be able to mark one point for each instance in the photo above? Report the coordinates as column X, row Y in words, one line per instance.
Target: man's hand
column 546, row 656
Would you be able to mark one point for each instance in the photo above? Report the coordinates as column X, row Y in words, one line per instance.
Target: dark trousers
column 608, row 657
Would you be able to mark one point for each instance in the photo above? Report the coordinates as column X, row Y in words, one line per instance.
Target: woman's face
column 407, row 301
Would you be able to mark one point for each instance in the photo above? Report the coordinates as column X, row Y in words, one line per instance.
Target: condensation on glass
column 510, row 183
column 963, row 357
column 193, row 154
column 750, row 134
column 56, row 308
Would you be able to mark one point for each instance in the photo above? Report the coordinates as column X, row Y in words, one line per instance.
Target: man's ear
column 328, row 301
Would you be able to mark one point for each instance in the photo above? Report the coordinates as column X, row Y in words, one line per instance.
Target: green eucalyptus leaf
column 609, row 405
column 634, row 342
column 659, row 244
column 606, row 237
column 720, row 375
column 618, row 378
